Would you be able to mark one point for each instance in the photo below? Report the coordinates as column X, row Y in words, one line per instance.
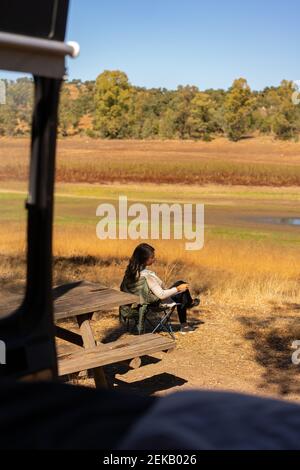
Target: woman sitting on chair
column 143, row 257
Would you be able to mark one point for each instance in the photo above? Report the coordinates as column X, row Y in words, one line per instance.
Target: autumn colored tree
column 112, row 101
column 238, row 107
column 202, row 120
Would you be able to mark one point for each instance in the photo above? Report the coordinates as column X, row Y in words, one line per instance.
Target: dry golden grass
column 257, row 161
column 225, row 271
column 249, row 284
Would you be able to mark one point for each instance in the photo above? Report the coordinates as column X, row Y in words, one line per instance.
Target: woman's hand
column 182, row 287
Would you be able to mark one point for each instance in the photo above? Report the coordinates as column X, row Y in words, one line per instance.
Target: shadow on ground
column 195, row 318
column 272, row 339
column 150, row 385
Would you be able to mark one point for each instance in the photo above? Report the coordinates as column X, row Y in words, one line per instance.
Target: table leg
column 89, row 342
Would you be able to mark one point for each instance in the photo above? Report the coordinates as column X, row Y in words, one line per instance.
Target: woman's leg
column 182, row 314
column 181, row 309
column 185, row 299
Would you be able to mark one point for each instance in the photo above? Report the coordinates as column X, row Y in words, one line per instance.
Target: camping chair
column 160, row 314
column 150, row 310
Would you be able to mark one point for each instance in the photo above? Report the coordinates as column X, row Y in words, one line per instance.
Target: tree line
column 111, row 107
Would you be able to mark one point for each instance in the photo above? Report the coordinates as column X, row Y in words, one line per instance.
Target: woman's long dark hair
column 138, row 261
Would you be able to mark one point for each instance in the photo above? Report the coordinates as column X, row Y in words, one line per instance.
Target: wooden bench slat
column 112, row 353
column 135, row 342
column 64, row 349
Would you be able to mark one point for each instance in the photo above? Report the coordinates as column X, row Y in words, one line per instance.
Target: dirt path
column 233, row 349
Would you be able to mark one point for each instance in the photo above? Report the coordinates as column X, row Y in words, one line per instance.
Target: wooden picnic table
column 79, row 300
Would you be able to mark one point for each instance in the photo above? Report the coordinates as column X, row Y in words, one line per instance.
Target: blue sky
column 165, row 43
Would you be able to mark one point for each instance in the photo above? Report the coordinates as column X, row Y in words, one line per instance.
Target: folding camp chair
column 161, row 315
column 150, row 310
column 156, row 315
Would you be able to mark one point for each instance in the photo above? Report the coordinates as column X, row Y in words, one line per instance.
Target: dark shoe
column 195, row 303
column 186, row 329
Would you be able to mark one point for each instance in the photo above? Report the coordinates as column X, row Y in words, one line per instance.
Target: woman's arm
column 157, row 290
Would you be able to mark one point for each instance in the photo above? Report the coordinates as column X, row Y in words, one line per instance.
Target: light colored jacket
column 156, row 286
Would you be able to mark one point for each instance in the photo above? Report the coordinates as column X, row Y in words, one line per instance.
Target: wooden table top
column 77, row 298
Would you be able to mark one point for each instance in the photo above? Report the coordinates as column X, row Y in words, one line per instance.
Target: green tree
column 167, row 124
column 238, row 107
column 283, row 128
column 202, row 120
column 8, row 120
column 112, row 101
column 181, row 106
column 146, row 110
column 68, row 119
column 286, row 118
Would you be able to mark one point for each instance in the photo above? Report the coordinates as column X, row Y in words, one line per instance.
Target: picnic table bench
column 80, row 300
